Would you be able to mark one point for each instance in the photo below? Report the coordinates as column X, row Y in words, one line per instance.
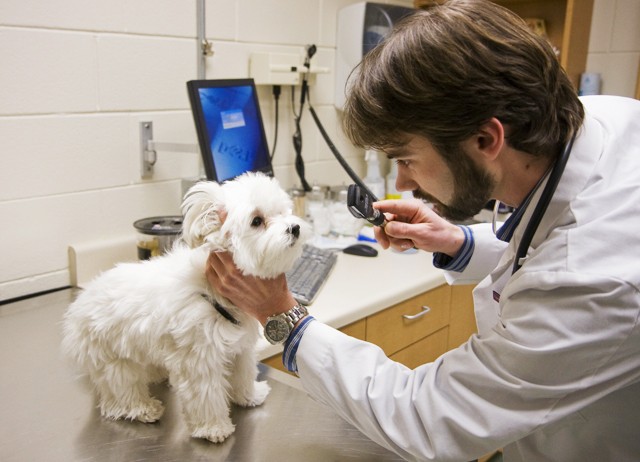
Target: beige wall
column 614, row 45
column 77, row 76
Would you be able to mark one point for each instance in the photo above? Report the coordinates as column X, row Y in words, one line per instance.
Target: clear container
column 392, row 177
column 298, row 197
column 373, row 180
column 342, row 222
column 156, row 235
column 318, row 210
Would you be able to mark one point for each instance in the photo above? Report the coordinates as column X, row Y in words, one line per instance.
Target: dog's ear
column 203, row 212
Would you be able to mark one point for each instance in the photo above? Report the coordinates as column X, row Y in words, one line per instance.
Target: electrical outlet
column 281, row 69
column 275, row 68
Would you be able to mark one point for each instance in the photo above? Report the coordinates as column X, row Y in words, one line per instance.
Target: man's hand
column 411, row 223
column 257, row 297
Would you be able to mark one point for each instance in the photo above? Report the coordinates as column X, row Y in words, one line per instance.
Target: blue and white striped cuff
column 461, row 260
column 292, row 343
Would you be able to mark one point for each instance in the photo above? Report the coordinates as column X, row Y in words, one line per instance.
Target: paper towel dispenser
column 361, row 27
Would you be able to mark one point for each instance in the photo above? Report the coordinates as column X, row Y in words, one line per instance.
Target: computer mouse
column 361, row 250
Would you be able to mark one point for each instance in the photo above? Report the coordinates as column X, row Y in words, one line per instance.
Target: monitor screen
column 229, row 126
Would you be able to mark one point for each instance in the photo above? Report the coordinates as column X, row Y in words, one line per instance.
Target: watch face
column 276, row 330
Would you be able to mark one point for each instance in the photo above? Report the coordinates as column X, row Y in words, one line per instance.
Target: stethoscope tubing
column 542, row 205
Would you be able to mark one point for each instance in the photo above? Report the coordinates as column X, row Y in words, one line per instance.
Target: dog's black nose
column 295, row 230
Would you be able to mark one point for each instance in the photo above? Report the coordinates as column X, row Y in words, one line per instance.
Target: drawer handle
column 412, row 317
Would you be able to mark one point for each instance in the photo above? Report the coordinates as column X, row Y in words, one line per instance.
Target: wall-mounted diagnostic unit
column 361, row 27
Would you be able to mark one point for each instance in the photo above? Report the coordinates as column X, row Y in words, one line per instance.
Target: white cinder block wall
column 614, row 45
column 77, row 76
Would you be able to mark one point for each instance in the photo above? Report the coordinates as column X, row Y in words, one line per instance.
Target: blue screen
column 234, row 130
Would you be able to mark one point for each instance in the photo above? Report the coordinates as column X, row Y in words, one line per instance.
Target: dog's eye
column 257, row 221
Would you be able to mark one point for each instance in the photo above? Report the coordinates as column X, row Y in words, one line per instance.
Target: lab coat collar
column 587, row 149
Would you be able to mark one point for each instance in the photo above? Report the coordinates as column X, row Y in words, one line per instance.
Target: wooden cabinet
column 638, row 83
column 462, row 319
column 568, row 24
column 357, row 329
column 418, row 330
column 424, row 350
column 414, row 331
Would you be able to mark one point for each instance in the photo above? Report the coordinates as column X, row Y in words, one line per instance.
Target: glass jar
column 318, row 210
column 342, row 222
column 298, row 197
column 156, row 235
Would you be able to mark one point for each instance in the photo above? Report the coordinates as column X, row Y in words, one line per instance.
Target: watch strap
column 296, row 313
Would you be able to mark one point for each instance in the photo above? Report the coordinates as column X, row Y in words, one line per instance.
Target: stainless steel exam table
column 46, row 414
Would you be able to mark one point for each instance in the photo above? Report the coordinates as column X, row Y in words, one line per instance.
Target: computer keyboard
column 309, row 273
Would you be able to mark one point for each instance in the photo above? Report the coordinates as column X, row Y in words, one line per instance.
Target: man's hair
column 446, row 70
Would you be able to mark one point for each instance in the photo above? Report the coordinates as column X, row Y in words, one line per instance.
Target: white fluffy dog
column 142, row 322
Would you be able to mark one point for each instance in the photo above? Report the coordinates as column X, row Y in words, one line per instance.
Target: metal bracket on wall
column 149, row 148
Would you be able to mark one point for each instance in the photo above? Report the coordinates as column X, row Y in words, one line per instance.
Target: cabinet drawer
column 392, row 331
column 425, row 350
column 356, row 329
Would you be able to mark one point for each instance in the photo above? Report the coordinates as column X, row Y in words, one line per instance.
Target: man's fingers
column 221, row 260
column 381, row 237
column 398, row 207
column 398, row 229
column 221, row 270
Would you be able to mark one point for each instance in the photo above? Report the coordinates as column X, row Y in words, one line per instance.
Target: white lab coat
column 554, row 371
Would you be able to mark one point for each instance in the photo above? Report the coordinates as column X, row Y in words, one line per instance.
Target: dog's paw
column 260, row 392
column 214, row 433
column 150, row 411
column 146, row 411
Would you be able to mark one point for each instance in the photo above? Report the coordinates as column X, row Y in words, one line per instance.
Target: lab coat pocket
column 487, row 296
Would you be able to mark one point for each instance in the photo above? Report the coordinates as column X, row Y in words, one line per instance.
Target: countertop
column 48, row 414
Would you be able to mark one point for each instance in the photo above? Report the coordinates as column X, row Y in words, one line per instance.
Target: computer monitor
column 229, row 126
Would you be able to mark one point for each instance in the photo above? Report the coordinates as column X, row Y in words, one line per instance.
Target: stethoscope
column 541, row 206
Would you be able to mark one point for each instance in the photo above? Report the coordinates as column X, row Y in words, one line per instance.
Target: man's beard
column 471, row 190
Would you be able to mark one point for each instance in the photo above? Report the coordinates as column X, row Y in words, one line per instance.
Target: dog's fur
column 142, row 322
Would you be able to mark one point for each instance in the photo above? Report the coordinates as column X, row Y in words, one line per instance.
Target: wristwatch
column 279, row 326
